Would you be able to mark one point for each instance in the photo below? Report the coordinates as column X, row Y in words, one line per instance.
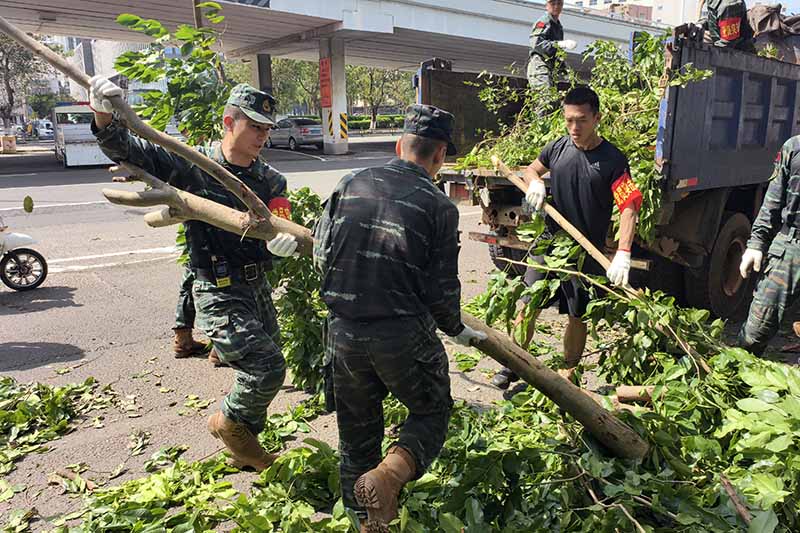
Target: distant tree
column 18, row 67
column 296, row 82
column 43, row 104
column 377, row 87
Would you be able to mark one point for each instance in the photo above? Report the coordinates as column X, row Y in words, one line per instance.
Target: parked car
column 45, row 134
column 294, row 132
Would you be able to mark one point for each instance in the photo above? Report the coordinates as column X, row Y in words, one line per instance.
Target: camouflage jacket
column 727, row 23
column 387, row 246
column 781, row 205
column 545, row 33
column 203, row 240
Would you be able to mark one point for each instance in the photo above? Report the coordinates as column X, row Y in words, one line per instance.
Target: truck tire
column 718, row 286
column 498, row 253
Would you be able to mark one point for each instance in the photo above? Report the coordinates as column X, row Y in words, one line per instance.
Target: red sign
column 325, row 89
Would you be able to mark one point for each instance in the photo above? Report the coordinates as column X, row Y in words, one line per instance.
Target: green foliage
column 301, row 312
column 629, row 94
column 19, row 68
column 33, row 414
column 43, row 103
column 197, row 88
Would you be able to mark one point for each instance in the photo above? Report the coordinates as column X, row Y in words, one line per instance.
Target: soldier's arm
column 444, row 297
column 117, row 142
column 541, row 40
column 769, row 219
column 730, row 20
column 324, row 226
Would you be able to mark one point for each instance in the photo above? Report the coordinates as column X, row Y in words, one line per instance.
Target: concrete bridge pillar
column 333, row 95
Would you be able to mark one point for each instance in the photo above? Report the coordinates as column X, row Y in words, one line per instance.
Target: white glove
column 536, row 194
column 620, row 267
column 466, row 337
column 283, row 245
column 567, row 44
column 100, row 90
column 751, row 260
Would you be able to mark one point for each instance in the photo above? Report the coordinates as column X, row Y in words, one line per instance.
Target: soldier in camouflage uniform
column 727, row 24
column 231, row 293
column 387, row 247
column 547, row 35
column 776, row 233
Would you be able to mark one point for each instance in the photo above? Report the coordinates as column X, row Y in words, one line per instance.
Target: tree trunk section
column 617, row 437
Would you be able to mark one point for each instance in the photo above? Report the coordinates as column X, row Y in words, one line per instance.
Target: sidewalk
column 31, row 147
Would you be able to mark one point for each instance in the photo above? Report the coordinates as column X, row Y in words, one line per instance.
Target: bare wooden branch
column 741, row 508
column 620, row 439
column 184, row 206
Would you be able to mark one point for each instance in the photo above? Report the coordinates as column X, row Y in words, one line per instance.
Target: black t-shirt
column 586, row 184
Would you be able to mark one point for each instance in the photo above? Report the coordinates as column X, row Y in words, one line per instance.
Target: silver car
column 294, row 132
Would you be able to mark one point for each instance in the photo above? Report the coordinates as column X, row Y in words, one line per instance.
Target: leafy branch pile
column 629, row 92
column 34, row 414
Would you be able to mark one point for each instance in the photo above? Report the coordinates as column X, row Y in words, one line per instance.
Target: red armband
column 626, row 193
column 540, row 25
column 280, row 207
column 730, row 29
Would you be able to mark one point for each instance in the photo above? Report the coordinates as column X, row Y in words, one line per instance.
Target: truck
column 75, row 145
column 716, row 148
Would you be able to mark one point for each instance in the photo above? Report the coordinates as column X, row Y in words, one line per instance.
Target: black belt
column 791, row 232
column 242, row 274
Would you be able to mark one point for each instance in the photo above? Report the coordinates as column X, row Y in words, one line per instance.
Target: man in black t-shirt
column 588, row 176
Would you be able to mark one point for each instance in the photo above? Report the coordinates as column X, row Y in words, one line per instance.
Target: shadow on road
column 27, row 355
column 41, row 299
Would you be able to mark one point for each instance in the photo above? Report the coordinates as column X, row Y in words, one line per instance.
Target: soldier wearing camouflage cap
column 231, row 293
column 387, row 248
column 776, row 235
column 547, row 36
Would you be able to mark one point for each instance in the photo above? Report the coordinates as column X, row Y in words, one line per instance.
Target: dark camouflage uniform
column 240, row 319
column 775, row 233
column 728, row 26
column 184, row 311
column 387, row 248
column 546, row 32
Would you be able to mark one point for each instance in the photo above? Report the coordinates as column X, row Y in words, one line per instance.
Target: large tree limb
column 620, row 439
column 260, row 213
column 182, row 205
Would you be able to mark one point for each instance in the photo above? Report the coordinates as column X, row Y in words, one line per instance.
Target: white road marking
column 81, row 268
column 163, row 250
column 18, row 175
column 74, row 204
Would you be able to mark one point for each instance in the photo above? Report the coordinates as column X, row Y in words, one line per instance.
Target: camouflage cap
column 257, row 105
column 432, row 122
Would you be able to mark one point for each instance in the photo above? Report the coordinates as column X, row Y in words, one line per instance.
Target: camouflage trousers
column 403, row 357
column 241, row 322
column 777, row 289
column 539, row 74
column 184, row 313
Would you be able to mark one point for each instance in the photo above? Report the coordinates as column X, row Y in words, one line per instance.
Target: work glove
column 567, row 44
column 468, row 335
column 100, row 90
column 751, row 260
column 283, row 245
column 536, row 194
column 619, row 269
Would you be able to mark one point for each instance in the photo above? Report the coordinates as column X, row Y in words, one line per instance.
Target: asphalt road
column 107, row 308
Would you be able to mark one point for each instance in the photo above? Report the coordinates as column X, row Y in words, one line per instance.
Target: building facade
column 667, row 12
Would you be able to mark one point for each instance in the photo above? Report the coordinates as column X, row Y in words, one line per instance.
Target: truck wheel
column 498, row 253
column 718, row 286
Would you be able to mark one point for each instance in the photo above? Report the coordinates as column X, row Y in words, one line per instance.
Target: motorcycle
column 21, row 269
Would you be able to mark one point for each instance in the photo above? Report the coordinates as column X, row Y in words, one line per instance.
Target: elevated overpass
column 474, row 35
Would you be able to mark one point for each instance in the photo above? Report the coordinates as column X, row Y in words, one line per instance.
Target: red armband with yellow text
column 280, row 207
column 730, row 29
column 626, row 193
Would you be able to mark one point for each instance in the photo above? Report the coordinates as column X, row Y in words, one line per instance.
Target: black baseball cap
column 432, row 122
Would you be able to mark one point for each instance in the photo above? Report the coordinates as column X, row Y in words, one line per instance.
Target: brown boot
column 213, row 358
column 378, row 489
column 184, row 345
column 243, row 445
